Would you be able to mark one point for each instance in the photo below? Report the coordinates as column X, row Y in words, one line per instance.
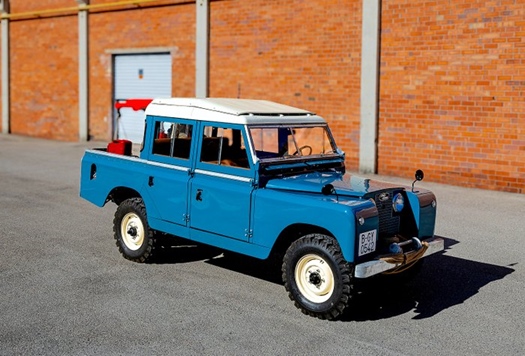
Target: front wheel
column 317, row 277
column 133, row 236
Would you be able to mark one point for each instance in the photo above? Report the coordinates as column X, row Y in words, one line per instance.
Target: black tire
column 317, row 277
column 133, row 236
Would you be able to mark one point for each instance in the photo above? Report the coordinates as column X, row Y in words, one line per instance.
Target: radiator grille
column 388, row 221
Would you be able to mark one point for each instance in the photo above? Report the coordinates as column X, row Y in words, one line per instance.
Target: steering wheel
column 300, row 149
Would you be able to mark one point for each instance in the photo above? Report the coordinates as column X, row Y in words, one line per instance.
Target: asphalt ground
column 65, row 290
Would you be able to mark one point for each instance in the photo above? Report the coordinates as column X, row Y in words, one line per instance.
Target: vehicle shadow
column 174, row 250
column 444, row 281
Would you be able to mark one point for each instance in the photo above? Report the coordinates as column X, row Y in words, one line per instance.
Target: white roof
column 238, row 111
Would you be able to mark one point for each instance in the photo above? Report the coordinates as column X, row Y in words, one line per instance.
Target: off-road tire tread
column 137, row 205
column 330, row 246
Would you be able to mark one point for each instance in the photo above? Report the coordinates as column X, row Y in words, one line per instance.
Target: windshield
column 290, row 141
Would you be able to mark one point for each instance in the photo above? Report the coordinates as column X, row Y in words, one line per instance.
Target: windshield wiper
column 323, row 165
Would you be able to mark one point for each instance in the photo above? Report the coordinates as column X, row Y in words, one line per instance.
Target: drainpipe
column 83, row 70
column 202, row 46
column 4, row 56
column 370, row 42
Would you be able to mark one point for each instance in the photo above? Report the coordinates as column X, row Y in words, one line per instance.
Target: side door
column 169, row 171
column 222, row 185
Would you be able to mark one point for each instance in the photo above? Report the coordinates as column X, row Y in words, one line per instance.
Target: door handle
column 150, row 181
column 198, row 196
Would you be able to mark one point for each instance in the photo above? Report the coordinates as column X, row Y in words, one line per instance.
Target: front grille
column 388, row 221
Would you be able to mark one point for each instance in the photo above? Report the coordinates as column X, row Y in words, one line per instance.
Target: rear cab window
column 172, row 141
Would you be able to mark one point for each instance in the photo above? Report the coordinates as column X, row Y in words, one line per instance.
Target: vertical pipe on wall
column 369, row 85
column 4, row 57
column 83, row 70
column 202, row 46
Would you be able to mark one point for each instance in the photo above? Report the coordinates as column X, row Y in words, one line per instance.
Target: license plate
column 367, row 242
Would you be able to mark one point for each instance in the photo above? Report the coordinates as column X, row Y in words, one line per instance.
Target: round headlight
column 398, row 203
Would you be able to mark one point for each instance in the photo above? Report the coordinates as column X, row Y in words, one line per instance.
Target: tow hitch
column 400, row 261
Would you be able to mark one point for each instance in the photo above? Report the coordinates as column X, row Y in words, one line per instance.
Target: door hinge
column 186, row 218
column 248, row 233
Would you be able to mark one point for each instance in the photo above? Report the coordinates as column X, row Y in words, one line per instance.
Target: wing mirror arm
column 419, row 177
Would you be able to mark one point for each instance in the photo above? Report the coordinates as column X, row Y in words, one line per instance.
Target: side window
column 172, row 139
column 224, row 146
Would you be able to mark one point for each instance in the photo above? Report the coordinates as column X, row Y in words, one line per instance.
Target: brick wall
column 167, row 27
column 300, row 53
column 44, row 73
column 18, row 6
column 451, row 86
column 44, row 61
column 453, row 92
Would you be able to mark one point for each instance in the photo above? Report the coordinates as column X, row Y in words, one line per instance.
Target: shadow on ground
column 172, row 250
column 444, row 281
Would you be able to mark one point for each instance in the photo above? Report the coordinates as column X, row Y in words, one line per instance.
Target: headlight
column 398, row 203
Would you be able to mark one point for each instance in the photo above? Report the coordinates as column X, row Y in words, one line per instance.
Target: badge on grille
column 383, row 197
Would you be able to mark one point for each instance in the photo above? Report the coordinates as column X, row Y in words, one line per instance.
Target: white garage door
column 139, row 76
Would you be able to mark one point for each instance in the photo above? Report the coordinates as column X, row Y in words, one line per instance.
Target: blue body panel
column 116, row 171
column 229, row 208
column 220, row 205
column 275, row 210
column 101, row 172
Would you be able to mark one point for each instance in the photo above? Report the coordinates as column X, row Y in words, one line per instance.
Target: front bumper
column 370, row 268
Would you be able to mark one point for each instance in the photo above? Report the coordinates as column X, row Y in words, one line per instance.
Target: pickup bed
column 264, row 180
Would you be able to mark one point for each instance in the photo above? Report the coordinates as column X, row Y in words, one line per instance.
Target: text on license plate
column 367, row 242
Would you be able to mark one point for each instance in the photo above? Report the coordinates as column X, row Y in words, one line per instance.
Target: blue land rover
column 265, row 180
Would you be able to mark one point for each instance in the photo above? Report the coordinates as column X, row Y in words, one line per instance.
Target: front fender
column 275, row 210
column 424, row 208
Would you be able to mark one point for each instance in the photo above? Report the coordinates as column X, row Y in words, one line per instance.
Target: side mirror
column 419, row 176
column 328, row 189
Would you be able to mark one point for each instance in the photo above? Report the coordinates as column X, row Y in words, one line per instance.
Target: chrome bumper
column 370, row 268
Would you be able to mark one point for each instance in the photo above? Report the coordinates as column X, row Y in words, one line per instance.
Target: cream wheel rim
column 132, row 231
column 314, row 278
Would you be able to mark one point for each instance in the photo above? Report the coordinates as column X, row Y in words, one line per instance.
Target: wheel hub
column 314, row 278
column 132, row 231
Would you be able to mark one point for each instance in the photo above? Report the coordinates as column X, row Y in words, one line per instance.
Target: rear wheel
column 133, row 236
column 317, row 277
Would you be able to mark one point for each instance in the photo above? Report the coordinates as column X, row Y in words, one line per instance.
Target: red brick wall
column 18, row 6
column 44, row 73
column 452, row 98
column 300, row 53
column 44, row 61
column 169, row 27
column 453, row 92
